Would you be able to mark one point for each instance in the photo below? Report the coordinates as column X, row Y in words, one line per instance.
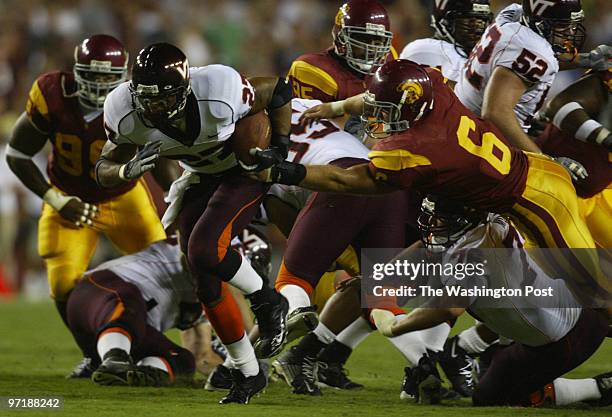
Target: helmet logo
column 147, row 89
column 100, row 66
column 375, row 29
column 342, row 13
column 412, row 91
column 538, row 7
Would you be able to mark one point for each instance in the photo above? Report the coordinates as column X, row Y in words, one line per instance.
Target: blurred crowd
column 258, row 37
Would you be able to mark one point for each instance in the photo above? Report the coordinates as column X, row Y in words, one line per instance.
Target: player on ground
column 435, row 145
column 458, row 26
column 511, row 69
column 188, row 114
column 548, row 342
column 119, row 311
column 66, row 110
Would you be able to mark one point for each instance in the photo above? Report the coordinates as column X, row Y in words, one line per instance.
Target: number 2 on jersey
column 486, row 150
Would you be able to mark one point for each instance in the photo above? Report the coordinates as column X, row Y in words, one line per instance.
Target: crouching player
column 119, row 311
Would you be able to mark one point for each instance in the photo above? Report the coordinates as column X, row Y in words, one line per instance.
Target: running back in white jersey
column 531, row 326
column 436, row 53
column 318, row 144
column 220, row 97
column 508, row 43
column 160, row 276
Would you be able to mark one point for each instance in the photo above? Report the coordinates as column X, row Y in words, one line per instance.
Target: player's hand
column 599, row 59
column 384, row 321
column 576, row 170
column 318, row 112
column 143, row 161
column 71, row 208
column 266, row 158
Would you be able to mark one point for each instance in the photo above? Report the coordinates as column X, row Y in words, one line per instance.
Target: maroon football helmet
column 559, row 22
column 100, row 66
column 461, row 22
column 362, row 34
column 399, row 94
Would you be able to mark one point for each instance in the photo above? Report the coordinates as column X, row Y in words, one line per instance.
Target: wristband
column 56, row 199
column 288, row 173
column 122, row 173
column 337, row 107
column 563, row 112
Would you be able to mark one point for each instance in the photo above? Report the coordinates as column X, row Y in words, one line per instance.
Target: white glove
column 384, row 321
column 576, row 170
column 600, row 58
column 71, row 207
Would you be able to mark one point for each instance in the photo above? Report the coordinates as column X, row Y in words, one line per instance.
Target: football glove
column 266, row 158
column 384, row 321
column 599, row 59
column 71, row 207
column 144, row 160
column 576, row 170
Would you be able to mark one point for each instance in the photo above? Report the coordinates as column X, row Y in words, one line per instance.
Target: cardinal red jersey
column 453, row 153
column 53, row 108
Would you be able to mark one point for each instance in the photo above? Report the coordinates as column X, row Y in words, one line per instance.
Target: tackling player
column 65, row 109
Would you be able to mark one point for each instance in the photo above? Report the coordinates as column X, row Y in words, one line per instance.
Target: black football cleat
column 270, row 308
column 409, row 388
column 458, row 366
column 244, row 388
column 287, row 365
column 148, row 376
column 604, row 384
column 300, row 322
column 113, row 369
column 83, row 369
column 220, row 379
column 427, row 381
column 334, row 375
column 305, row 382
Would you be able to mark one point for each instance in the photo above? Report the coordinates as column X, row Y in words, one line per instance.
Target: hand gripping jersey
column 161, row 278
column 220, row 97
column 510, row 44
column 325, row 76
column 319, row 144
column 453, row 153
column 436, row 53
column 530, row 326
column 53, row 108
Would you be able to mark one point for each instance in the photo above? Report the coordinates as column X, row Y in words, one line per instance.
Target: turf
column 37, row 351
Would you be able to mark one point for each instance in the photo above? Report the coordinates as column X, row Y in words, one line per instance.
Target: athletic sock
column 243, row 356
column 568, row 391
column 155, row 362
column 246, row 279
column 296, row 296
column 409, row 344
column 111, row 339
column 471, row 342
column 435, row 337
column 324, row 334
column 355, row 333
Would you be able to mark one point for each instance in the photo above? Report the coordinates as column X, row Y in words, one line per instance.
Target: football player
column 434, row 144
column 575, row 134
column 188, row 114
column 511, row 69
column 65, row 109
column 361, row 43
column 120, row 310
column 548, row 342
column 457, row 25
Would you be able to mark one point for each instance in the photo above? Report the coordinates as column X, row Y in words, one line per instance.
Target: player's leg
column 132, row 222
column 518, row 371
column 597, row 212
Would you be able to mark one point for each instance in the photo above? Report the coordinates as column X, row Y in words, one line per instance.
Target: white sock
column 568, row 391
column 324, row 334
column 296, row 296
column 154, row 362
column 246, row 279
column 228, row 363
column 243, row 356
column 355, row 333
column 113, row 340
column 471, row 342
column 435, row 337
column 409, row 344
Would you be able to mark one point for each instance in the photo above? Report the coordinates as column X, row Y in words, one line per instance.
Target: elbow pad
column 281, row 95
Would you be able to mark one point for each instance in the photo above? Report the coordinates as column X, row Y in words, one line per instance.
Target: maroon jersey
column 453, row 153
column 53, row 108
column 325, row 76
column 596, row 159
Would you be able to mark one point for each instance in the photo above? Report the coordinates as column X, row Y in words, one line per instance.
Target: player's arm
column 352, row 106
column 121, row 163
column 501, row 95
column 571, row 111
column 166, row 171
column 599, row 59
column 417, row 319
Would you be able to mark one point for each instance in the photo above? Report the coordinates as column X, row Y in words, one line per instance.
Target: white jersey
column 161, row 278
column 508, row 43
column 223, row 97
column 532, row 326
column 319, row 144
column 436, row 53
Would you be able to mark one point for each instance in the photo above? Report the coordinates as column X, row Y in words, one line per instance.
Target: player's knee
column 182, row 362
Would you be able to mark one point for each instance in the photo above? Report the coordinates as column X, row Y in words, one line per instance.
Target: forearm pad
column 288, row 173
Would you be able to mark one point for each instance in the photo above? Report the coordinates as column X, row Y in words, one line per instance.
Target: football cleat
column 287, row 365
column 270, row 308
column 244, row 388
column 147, row 376
column 113, row 369
column 604, row 384
column 408, row 390
column 334, row 375
column 305, row 382
column 300, row 322
column 458, row 366
column 426, row 384
column 220, row 379
column 83, row 369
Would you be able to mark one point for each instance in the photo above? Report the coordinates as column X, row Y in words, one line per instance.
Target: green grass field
column 36, row 352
